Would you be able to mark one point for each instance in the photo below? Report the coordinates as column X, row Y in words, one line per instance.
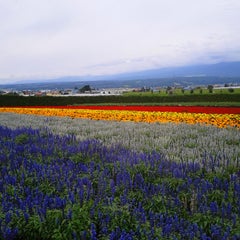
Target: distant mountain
column 225, row 69
column 132, row 83
column 219, row 73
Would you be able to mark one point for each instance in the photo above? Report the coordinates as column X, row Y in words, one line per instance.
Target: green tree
column 210, row 88
column 85, row 88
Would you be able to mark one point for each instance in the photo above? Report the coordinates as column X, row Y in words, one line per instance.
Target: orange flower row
column 219, row 120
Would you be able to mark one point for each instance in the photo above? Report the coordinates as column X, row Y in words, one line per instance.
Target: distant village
column 87, row 90
column 84, row 91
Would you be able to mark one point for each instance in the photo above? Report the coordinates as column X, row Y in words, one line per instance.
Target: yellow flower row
column 219, row 120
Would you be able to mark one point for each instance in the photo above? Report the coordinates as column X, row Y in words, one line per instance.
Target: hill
column 219, row 73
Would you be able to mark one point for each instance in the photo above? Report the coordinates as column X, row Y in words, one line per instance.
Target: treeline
column 64, row 101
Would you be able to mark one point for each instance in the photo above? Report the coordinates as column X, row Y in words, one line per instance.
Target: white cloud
column 52, row 37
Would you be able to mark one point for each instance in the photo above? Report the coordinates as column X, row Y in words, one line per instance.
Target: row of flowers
column 190, row 109
column 136, row 115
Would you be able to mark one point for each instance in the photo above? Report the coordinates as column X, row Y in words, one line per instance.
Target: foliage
column 210, row 88
column 85, row 88
column 194, row 99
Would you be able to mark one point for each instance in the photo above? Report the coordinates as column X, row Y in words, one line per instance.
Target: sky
column 54, row 38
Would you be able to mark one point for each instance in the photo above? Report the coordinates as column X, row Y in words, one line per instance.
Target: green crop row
column 211, row 99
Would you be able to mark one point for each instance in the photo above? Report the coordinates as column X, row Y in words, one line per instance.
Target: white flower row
column 179, row 142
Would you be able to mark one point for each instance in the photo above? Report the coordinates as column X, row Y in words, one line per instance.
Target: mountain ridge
column 224, row 72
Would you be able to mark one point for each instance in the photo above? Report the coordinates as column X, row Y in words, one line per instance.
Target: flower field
column 220, row 117
column 77, row 178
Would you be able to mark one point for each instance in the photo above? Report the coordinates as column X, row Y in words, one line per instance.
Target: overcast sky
column 51, row 38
